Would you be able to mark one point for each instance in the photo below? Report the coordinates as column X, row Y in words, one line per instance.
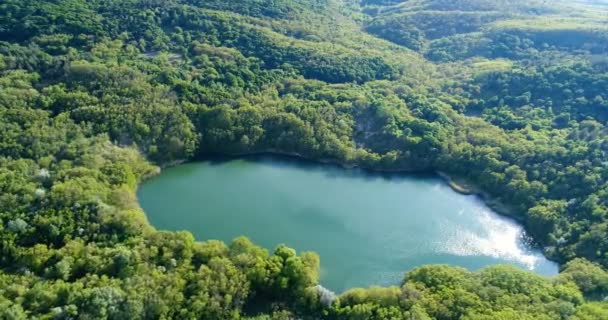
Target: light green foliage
column 590, row 311
column 589, row 277
column 455, row 30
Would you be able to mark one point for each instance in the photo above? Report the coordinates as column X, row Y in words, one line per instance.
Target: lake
column 368, row 228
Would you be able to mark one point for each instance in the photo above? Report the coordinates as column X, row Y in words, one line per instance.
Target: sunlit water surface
column 368, row 228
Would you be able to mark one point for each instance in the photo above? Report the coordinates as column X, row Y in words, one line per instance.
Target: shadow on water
column 331, row 170
column 186, row 169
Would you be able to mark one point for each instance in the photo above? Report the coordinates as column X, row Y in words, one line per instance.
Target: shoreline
column 466, row 188
column 458, row 187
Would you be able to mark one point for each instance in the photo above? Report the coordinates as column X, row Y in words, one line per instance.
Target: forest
column 509, row 97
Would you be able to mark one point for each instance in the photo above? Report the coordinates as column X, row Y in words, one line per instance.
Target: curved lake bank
column 368, row 228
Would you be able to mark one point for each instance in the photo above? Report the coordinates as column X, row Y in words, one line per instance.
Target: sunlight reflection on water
column 497, row 238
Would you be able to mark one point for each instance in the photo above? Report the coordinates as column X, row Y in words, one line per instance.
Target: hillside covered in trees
column 509, row 97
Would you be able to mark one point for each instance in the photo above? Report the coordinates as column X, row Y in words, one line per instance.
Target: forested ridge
column 510, row 98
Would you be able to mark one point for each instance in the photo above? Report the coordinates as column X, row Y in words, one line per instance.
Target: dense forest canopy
column 508, row 97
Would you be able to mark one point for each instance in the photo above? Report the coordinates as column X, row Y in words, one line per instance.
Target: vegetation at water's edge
column 511, row 96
